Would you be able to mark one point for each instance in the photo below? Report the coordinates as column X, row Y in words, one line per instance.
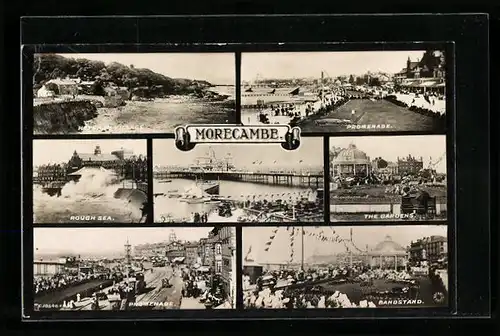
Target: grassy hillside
column 51, row 66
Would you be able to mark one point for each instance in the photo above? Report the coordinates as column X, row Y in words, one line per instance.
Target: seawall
column 135, row 197
column 62, row 116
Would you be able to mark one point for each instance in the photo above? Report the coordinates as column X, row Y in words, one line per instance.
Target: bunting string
column 271, row 238
column 292, row 241
column 318, row 234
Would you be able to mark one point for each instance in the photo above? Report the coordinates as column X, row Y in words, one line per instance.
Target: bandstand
column 388, row 255
column 350, row 162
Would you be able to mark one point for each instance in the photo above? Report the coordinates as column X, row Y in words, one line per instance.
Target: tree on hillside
column 374, row 81
column 360, row 81
column 381, row 163
column 432, row 59
column 57, row 73
column 104, row 76
column 49, row 66
column 98, row 89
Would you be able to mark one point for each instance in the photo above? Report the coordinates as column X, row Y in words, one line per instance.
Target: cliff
column 62, row 116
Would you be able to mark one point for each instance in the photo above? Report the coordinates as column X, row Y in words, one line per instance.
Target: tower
column 172, row 237
column 128, row 253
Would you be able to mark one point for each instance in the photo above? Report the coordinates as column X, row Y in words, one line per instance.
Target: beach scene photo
column 131, row 93
column 238, row 183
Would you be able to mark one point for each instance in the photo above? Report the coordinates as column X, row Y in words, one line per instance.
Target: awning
column 178, row 259
column 203, row 269
column 427, row 84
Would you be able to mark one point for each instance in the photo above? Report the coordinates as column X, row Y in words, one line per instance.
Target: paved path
column 191, row 303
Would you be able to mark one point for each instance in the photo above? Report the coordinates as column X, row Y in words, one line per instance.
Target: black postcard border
column 471, row 149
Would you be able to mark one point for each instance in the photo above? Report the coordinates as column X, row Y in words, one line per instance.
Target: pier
column 299, row 179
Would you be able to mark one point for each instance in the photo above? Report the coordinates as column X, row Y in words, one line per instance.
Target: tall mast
column 128, row 254
column 302, row 238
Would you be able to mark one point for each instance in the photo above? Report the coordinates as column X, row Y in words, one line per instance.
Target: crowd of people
column 46, row 284
column 303, row 289
column 300, row 209
column 199, row 217
column 297, row 300
column 258, row 209
column 293, row 113
column 55, row 282
column 429, row 103
column 207, row 288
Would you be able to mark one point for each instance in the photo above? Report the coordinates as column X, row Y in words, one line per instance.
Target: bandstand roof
column 388, row 248
column 351, row 155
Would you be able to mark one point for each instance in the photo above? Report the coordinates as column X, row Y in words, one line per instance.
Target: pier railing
column 272, row 178
column 297, row 173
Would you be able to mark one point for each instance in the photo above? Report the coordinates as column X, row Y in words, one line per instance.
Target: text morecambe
column 232, row 133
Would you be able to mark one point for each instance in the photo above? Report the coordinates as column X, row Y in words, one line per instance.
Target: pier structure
column 301, row 179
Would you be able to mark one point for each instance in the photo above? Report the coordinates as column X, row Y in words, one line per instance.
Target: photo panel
column 90, row 181
column 346, row 91
column 117, row 93
column 134, row 269
column 297, row 267
column 388, row 178
column 238, row 182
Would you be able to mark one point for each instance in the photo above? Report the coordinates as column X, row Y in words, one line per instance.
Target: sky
column 58, row 151
column 280, row 250
column 310, row 64
column 216, row 68
column 310, row 152
column 390, row 147
column 106, row 240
